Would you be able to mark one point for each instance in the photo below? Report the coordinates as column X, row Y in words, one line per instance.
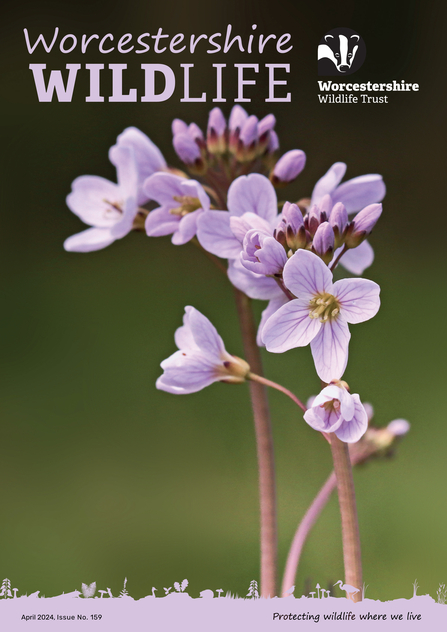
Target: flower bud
column 362, row 225
column 189, row 152
column 323, row 243
column 313, row 219
column 248, row 138
column 265, row 126
column 215, row 137
column 262, row 253
column 178, row 126
column 238, row 117
column 288, row 167
column 237, row 370
column 398, row 427
column 273, row 144
column 196, row 133
column 338, row 219
column 291, row 228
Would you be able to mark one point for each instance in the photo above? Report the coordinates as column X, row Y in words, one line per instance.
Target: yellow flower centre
column 187, row 205
column 324, row 306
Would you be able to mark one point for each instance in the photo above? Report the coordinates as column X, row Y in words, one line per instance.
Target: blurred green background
column 103, row 476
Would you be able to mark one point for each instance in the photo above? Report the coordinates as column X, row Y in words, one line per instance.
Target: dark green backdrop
column 104, row 477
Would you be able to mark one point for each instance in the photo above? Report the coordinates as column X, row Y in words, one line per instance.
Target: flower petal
column 91, row 200
column 255, row 286
column 161, row 222
column 330, row 349
column 187, row 228
column 359, row 192
column 359, row 299
column 358, row 259
column 205, row 334
column 89, row 240
column 148, row 157
column 306, row 275
column 322, row 420
column 271, row 308
column 353, row 430
column 162, row 187
column 215, row 235
column 186, row 372
column 289, row 327
column 126, row 167
column 328, row 182
column 253, row 194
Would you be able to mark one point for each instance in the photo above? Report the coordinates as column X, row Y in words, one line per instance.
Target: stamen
column 188, row 204
column 324, row 306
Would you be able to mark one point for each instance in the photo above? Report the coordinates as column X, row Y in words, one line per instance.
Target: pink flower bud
column 338, row 219
column 247, row 139
column 273, row 144
column 215, row 137
column 362, row 225
column 188, row 151
column 323, row 243
column 178, row 126
column 288, row 167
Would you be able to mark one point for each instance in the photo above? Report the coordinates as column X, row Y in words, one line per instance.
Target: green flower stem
column 348, row 510
column 264, row 447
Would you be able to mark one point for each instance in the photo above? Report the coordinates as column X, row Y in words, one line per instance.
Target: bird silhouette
column 350, row 590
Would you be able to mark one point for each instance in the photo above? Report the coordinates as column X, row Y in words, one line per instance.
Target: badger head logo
column 340, row 52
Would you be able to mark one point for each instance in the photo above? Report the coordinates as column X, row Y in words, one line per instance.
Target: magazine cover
column 222, row 338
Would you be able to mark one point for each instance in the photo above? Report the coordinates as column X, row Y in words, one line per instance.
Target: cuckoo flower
column 182, row 202
column 262, row 253
column 251, row 204
column 109, row 208
column 148, row 157
column 321, row 313
column 336, row 410
column 355, row 194
column 201, row 360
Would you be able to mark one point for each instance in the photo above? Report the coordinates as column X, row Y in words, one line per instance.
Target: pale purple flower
column 148, row 157
column 201, row 359
column 251, row 204
column 182, row 202
column 355, row 194
column 288, row 167
column 321, row 313
column 262, row 253
column 109, row 208
column 336, row 410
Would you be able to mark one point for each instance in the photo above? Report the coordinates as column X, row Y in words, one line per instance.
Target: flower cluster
column 286, row 257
